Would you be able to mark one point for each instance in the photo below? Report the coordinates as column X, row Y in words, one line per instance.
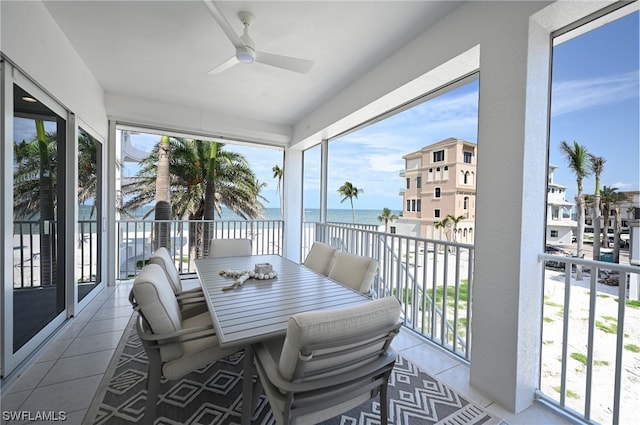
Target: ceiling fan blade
column 224, row 65
column 224, row 24
column 301, row 66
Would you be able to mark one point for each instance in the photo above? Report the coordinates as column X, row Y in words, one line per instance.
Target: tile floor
column 66, row 374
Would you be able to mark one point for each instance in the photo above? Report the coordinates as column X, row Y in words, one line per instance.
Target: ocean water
column 310, row 215
column 313, row 215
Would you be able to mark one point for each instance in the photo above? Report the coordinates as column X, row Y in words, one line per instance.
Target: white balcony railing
column 431, row 278
column 590, row 340
column 187, row 240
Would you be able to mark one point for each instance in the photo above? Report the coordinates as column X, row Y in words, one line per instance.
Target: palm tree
column 163, row 196
column 278, row 173
column 577, row 158
column 387, row 216
column 87, row 167
column 443, row 224
column 35, row 185
column 608, row 197
column 349, row 191
column 455, row 220
column 195, row 166
column 617, row 199
column 597, row 167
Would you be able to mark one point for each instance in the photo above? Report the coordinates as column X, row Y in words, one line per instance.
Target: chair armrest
column 270, row 368
column 196, row 292
column 191, row 300
column 184, row 335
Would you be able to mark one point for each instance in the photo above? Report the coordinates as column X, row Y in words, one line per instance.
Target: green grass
column 632, row 347
column 573, row 394
column 548, row 342
column 633, row 303
column 610, row 329
column 579, row 357
column 548, row 320
column 609, row 318
column 451, row 292
column 553, row 304
column 602, row 296
column 570, row 393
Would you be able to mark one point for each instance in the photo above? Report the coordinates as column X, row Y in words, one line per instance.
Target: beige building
column 440, row 180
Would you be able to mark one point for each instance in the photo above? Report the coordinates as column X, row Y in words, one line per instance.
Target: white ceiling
column 162, row 50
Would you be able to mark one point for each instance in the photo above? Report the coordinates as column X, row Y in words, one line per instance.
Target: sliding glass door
column 89, row 224
column 39, row 136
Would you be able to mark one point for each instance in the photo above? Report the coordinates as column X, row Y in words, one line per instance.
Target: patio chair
column 354, row 271
column 175, row 346
column 320, row 258
column 229, row 247
column 191, row 301
column 330, row 363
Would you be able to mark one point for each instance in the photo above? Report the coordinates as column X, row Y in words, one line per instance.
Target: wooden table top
column 260, row 309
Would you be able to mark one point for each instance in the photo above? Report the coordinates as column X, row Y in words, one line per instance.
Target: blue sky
column 594, row 102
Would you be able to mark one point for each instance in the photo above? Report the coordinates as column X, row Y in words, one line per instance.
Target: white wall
column 34, row 42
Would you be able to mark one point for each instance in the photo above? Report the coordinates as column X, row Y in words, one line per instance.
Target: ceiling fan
column 245, row 48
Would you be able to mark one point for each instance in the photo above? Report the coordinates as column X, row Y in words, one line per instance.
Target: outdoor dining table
column 260, row 309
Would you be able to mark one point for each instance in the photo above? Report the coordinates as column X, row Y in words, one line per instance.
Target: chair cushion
column 354, row 271
column 323, row 326
column 320, row 258
column 229, row 247
column 162, row 258
column 159, row 306
column 197, row 353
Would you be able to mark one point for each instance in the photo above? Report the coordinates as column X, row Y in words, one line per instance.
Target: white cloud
column 386, row 163
column 622, row 185
column 575, row 95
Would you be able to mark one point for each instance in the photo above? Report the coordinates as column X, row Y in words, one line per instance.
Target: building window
column 413, row 205
column 436, row 213
column 430, row 175
column 437, row 194
column 419, row 182
column 419, row 205
column 408, row 183
column 554, row 233
column 438, row 156
column 465, row 203
column 445, row 175
column 465, row 178
column 467, row 157
column 392, row 230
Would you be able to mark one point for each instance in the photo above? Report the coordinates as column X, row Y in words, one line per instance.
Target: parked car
column 612, row 243
column 554, row 250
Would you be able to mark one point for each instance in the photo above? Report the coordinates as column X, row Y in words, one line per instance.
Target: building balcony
column 65, row 375
column 433, row 280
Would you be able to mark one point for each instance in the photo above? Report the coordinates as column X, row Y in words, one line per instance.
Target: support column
column 510, row 213
column 292, row 210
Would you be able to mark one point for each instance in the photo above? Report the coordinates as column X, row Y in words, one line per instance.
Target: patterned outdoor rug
column 213, row 395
